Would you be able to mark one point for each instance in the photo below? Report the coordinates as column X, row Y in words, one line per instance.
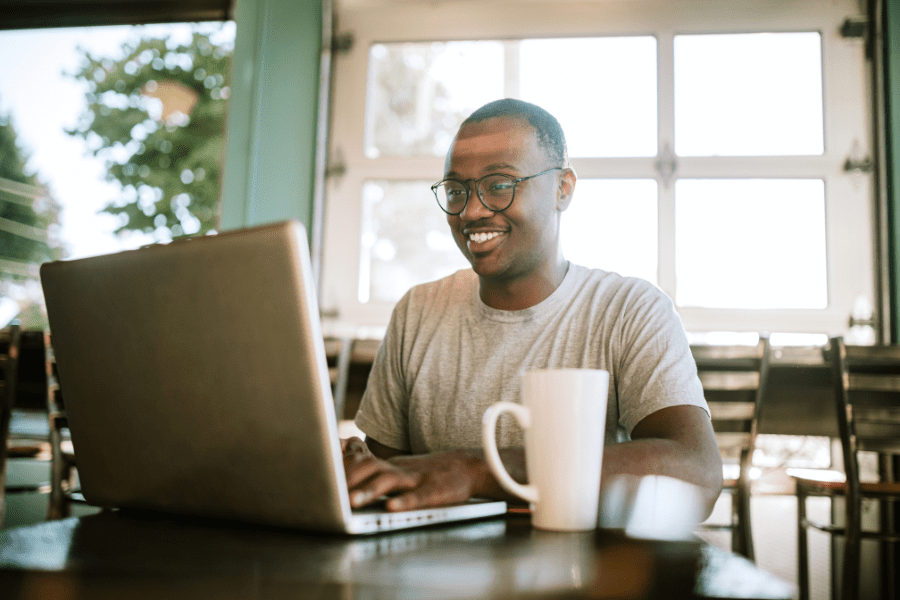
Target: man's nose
column 474, row 208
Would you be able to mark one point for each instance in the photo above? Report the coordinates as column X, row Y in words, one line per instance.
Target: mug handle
column 492, row 456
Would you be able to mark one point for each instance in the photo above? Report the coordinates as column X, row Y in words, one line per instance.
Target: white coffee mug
column 563, row 413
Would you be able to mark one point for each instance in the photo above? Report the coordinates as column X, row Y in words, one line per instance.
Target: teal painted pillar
column 270, row 150
column 892, row 126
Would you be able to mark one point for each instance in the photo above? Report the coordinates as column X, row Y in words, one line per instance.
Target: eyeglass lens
column 495, row 191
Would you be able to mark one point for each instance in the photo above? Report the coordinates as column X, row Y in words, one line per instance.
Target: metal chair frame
column 743, row 370
column 62, row 458
column 9, row 360
column 862, row 425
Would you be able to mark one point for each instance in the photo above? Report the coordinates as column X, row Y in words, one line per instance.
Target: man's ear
column 567, row 181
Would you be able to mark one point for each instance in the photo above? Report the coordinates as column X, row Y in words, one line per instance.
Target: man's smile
column 483, row 237
column 483, row 240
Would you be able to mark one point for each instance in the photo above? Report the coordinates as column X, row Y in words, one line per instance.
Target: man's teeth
column 483, row 237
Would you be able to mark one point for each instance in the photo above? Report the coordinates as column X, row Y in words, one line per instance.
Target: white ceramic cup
column 563, row 413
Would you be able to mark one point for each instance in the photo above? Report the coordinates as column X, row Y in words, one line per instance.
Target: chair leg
column 852, row 540
column 742, row 535
column 57, row 507
column 2, row 490
column 4, row 427
column 802, row 547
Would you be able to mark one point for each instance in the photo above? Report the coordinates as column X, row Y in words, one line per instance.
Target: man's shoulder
column 617, row 295
column 456, row 288
column 610, row 282
column 461, row 280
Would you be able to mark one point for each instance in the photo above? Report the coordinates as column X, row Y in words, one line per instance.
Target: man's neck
column 525, row 292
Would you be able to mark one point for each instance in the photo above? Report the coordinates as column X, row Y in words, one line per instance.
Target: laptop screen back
column 195, row 381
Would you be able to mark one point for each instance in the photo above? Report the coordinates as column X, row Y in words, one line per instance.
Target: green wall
column 271, row 141
column 892, row 115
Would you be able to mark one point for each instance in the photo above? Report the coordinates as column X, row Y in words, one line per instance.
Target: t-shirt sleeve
column 656, row 368
column 383, row 413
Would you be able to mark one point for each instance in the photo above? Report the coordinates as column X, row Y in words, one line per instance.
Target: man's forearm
column 669, row 458
column 486, row 485
column 638, row 457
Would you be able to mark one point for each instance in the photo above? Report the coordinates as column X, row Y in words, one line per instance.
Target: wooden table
column 120, row 554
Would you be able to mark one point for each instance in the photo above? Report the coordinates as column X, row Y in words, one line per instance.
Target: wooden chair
column 339, row 352
column 24, row 442
column 62, row 458
column 51, row 445
column 866, row 391
column 734, row 382
column 9, row 358
column 349, row 364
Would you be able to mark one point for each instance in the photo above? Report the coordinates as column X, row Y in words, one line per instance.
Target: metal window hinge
column 336, row 167
column 859, row 166
column 855, row 28
column 857, row 161
column 341, row 43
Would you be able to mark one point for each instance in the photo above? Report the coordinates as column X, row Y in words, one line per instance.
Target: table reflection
column 148, row 555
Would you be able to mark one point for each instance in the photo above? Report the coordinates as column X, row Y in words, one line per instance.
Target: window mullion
column 666, row 144
column 511, row 69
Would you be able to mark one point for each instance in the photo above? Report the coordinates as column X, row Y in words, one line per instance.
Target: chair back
column 338, row 352
column 9, row 363
column 867, row 392
column 734, row 380
column 9, row 359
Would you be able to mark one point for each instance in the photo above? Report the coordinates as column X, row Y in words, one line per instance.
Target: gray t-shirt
column 447, row 357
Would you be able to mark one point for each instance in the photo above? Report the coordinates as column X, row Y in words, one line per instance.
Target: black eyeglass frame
column 477, row 187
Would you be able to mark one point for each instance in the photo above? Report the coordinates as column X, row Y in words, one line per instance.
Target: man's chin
column 485, row 267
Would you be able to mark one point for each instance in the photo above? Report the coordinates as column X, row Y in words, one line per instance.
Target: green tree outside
column 157, row 118
column 12, row 158
column 27, row 210
column 29, row 218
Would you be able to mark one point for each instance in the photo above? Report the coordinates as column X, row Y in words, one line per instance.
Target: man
column 456, row 346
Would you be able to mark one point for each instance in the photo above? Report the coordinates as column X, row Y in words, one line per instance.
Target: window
column 119, row 132
column 752, row 94
column 708, row 146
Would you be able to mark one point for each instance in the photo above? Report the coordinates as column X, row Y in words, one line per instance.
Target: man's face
column 524, row 238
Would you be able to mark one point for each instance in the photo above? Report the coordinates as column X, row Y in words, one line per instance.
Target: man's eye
column 500, row 186
column 455, row 192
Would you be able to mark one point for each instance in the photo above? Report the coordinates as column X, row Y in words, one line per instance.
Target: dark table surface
column 118, row 554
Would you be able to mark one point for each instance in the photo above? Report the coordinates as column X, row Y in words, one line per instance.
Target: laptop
column 195, row 382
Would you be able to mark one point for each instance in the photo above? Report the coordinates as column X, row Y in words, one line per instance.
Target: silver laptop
column 195, row 381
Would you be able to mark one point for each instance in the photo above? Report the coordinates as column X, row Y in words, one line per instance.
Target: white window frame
column 848, row 196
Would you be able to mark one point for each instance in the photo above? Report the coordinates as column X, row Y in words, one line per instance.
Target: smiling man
column 458, row 345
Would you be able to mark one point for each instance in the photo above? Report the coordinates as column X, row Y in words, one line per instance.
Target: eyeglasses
column 496, row 191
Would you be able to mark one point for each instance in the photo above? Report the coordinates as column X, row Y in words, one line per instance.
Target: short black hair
column 548, row 129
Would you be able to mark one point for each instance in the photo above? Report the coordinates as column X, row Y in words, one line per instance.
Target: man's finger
column 426, row 496
column 354, row 445
column 382, row 483
column 358, row 468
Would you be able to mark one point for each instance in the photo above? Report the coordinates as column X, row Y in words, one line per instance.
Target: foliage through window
column 118, row 143
column 156, row 117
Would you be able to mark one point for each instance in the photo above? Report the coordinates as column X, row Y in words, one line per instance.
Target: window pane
column 405, row 240
column 420, row 93
column 757, row 243
column 117, row 134
column 612, row 225
column 748, row 94
column 602, row 90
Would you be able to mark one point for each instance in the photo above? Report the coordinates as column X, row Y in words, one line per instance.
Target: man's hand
column 370, row 477
column 412, row 481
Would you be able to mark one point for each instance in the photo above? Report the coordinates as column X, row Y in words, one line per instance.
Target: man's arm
column 676, row 441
